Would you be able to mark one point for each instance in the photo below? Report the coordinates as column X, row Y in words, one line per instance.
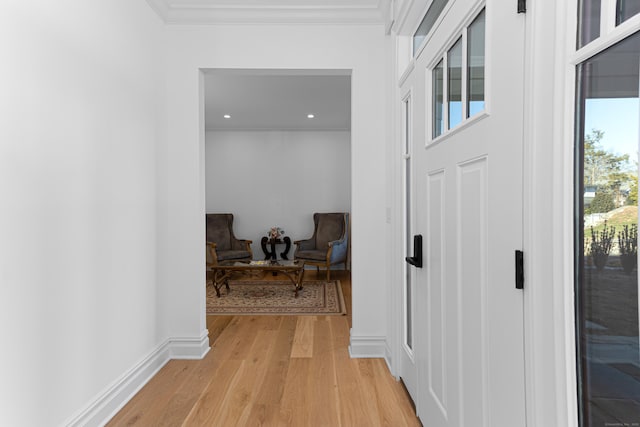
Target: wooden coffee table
column 219, row 274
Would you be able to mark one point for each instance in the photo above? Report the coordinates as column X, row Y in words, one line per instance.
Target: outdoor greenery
column 602, row 202
column 601, row 241
column 628, row 247
column 615, row 203
column 602, row 168
column 632, row 198
column 628, row 240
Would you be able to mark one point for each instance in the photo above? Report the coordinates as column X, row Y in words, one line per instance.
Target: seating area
column 328, row 245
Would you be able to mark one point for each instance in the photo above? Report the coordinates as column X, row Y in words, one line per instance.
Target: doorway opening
column 277, row 150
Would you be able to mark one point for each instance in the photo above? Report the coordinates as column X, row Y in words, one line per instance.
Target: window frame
column 460, row 33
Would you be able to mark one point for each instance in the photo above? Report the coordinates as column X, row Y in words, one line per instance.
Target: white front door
column 467, row 158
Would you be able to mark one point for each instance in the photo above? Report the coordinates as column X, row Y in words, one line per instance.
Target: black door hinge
column 519, row 270
column 522, row 6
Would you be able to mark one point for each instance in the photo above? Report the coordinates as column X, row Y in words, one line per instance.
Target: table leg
column 300, row 279
column 287, row 242
column 220, row 278
column 293, row 281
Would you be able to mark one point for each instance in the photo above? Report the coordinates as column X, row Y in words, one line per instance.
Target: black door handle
column 416, row 259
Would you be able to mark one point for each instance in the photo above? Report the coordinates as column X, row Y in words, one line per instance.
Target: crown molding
column 270, row 12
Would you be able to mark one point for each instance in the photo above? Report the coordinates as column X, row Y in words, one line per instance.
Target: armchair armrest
column 337, row 250
column 211, row 247
column 304, row 245
column 241, row 244
column 247, row 244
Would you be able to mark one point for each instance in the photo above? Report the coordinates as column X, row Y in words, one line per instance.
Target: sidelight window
column 606, row 236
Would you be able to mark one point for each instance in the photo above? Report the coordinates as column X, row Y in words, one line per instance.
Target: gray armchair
column 329, row 243
column 222, row 244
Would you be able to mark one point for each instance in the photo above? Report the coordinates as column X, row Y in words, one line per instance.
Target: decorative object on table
column 275, row 233
column 222, row 244
column 329, row 244
column 273, row 238
column 249, row 297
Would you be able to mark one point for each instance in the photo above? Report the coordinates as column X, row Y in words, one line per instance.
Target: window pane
column 454, row 80
column 625, row 9
column 606, row 228
column 427, row 22
column 438, row 99
column 475, row 66
column 588, row 21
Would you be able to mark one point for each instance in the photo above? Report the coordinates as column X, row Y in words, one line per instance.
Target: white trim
column 407, row 72
column 113, row 398
column 224, row 12
column 607, row 17
column 189, row 348
column 550, row 370
column 460, row 127
column 369, row 346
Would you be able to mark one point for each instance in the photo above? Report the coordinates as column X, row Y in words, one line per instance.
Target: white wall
column 359, row 48
column 78, row 124
column 277, row 178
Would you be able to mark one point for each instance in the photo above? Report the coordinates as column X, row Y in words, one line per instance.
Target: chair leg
column 328, row 273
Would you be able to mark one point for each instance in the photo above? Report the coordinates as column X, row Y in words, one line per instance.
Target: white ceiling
column 278, row 99
column 270, row 11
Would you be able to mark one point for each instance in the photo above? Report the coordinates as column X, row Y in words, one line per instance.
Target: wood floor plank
column 322, row 391
column 356, row 408
column 217, row 324
column 212, row 400
column 153, row 396
column 394, row 409
column 294, row 405
column 303, row 339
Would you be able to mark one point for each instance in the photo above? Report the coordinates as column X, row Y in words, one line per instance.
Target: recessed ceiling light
column 310, row 116
column 226, row 116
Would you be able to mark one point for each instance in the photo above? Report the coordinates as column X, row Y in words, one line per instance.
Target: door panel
column 472, row 283
column 437, row 355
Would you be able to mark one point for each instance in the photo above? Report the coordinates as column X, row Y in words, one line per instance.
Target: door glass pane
column 407, row 234
column 588, row 21
column 475, row 66
column 606, row 230
column 438, row 99
column 625, row 9
column 454, row 81
column 427, row 23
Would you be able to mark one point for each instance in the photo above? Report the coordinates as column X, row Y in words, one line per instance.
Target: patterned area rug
column 277, row 297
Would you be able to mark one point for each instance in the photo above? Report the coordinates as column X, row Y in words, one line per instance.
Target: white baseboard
column 189, row 348
column 104, row 406
column 362, row 347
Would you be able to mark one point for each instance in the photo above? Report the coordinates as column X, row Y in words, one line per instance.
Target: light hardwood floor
column 274, row 371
